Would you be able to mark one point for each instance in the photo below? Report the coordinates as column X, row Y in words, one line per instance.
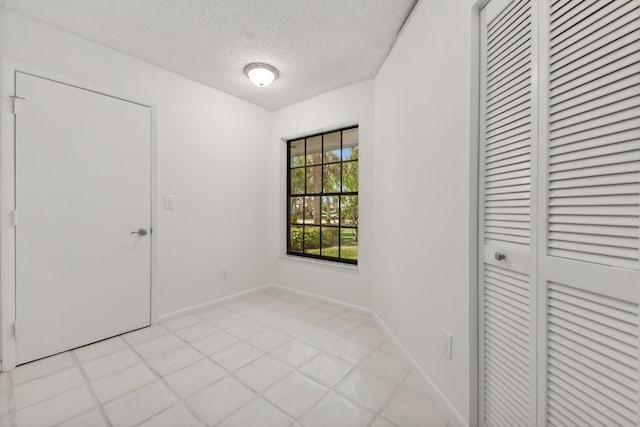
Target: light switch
column 169, row 202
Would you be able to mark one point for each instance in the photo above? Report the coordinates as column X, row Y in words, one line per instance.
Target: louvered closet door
column 590, row 258
column 507, row 220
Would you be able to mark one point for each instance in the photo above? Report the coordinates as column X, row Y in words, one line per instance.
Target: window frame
column 321, row 194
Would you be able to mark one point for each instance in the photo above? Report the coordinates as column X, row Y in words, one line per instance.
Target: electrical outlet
column 224, row 272
column 447, row 344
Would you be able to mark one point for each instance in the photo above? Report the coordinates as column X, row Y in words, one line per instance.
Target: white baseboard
column 354, row 307
column 442, row 401
column 198, row 307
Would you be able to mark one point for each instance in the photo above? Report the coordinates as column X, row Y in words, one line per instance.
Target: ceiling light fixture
column 261, row 74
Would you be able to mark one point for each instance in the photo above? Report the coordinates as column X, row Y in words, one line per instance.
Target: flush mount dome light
column 261, row 74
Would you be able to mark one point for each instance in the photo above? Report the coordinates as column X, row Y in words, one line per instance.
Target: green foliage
column 297, row 181
column 348, row 252
column 330, row 243
column 332, row 178
column 349, row 214
column 329, row 237
column 326, row 167
column 311, row 238
column 350, row 176
column 295, row 239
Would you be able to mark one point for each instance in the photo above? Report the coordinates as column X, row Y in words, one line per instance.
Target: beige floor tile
column 195, row 377
column 236, row 356
column 295, row 394
column 327, row 369
column 336, row 411
column 176, row 416
column 137, row 406
column 366, row 388
column 53, row 411
column 411, row 409
column 256, row 412
column 295, row 353
column 122, row 382
column 262, row 373
column 218, row 401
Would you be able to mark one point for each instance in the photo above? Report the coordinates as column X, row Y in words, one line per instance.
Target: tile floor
column 268, row 359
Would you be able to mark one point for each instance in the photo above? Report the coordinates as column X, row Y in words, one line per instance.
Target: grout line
column 166, row 384
column 260, row 394
column 321, row 351
column 88, row 384
column 49, row 397
column 273, row 301
column 55, row 371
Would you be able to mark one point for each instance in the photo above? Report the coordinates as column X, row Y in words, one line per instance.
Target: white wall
column 212, row 148
column 422, row 183
column 350, row 105
column 214, row 157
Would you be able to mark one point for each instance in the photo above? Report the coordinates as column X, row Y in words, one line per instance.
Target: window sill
column 320, row 262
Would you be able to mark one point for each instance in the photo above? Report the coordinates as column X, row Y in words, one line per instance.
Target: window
column 322, row 196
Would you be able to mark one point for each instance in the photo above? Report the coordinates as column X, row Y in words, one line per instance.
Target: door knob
column 499, row 256
column 140, row 232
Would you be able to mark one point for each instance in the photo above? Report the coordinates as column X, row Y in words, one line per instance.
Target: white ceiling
column 317, row 45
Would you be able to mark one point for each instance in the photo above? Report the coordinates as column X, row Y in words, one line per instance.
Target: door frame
column 8, row 69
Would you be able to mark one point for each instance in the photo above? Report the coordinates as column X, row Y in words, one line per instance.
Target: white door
column 590, row 205
column 507, row 267
column 83, row 185
column 563, row 205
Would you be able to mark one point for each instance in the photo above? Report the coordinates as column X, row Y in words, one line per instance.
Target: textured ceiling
column 317, row 45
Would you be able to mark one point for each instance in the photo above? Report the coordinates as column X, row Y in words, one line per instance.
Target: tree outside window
column 322, row 191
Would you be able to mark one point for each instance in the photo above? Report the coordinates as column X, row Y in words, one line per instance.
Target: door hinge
column 14, row 102
column 14, row 218
column 14, row 330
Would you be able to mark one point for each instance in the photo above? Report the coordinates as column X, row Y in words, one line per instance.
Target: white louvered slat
column 606, row 49
column 612, row 11
column 590, row 29
column 594, row 133
column 586, row 273
column 507, row 315
column 507, row 347
column 624, row 76
column 593, row 350
column 606, row 140
column 508, row 127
